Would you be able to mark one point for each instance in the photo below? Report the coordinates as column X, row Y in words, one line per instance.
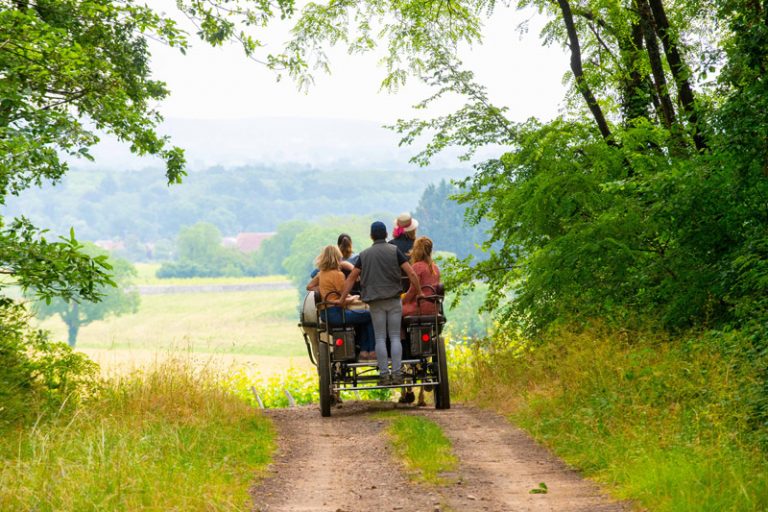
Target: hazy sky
column 339, row 121
column 220, row 83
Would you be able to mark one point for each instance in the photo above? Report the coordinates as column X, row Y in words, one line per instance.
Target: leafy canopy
column 645, row 201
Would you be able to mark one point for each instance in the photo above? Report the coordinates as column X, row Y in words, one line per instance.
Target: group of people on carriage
column 389, row 278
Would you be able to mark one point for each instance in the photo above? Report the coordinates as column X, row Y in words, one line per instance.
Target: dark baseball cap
column 378, row 230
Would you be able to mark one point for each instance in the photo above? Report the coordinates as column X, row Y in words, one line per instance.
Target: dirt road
column 343, row 464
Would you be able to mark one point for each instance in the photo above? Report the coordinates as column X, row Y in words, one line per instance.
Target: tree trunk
column 657, row 67
column 637, row 95
column 578, row 72
column 72, row 319
column 680, row 71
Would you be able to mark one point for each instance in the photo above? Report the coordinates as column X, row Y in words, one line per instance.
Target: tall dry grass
column 663, row 422
column 166, row 438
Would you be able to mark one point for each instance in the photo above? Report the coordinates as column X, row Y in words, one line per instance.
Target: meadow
column 253, row 329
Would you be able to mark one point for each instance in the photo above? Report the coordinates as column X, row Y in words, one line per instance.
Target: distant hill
column 138, row 205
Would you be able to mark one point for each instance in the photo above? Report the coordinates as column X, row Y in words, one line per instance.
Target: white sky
column 220, row 83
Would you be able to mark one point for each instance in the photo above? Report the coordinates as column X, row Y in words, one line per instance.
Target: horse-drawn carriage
column 333, row 349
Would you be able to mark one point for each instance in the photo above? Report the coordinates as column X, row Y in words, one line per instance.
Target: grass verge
column 665, row 423
column 169, row 438
column 423, row 448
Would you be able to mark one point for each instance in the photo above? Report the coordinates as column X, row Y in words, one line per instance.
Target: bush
column 36, row 374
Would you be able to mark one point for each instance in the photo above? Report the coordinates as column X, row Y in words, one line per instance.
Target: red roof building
column 250, row 242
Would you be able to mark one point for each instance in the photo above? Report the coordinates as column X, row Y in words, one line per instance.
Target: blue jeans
column 387, row 315
column 360, row 319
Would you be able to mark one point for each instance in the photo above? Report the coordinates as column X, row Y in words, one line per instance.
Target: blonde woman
column 330, row 282
column 429, row 275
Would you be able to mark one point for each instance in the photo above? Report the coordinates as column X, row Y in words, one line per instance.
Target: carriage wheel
column 442, row 392
column 324, row 372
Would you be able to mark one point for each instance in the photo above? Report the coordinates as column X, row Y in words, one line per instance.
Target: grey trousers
column 386, row 316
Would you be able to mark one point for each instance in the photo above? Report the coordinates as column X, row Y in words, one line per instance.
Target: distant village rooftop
column 248, row 242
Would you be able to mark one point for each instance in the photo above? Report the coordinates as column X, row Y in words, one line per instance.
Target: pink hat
column 404, row 223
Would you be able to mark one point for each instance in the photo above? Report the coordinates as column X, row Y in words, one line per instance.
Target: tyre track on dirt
column 344, row 464
column 338, row 464
column 500, row 465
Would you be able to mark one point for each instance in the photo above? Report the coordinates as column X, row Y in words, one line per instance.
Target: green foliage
column 671, row 423
column 273, row 251
column 66, row 61
column 645, row 202
column 465, row 318
column 308, row 243
column 37, row 376
column 292, row 250
column 114, row 300
column 139, row 205
column 199, row 253
column 443, row 220
column 50, row 269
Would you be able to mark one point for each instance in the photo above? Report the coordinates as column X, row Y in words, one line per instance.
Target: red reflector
column 339, row 342
column 425, row 337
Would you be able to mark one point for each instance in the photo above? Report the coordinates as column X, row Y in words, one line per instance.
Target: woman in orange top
column 429, row 275
column 330, row 281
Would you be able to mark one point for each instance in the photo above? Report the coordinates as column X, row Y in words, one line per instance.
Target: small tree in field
column 115, row 300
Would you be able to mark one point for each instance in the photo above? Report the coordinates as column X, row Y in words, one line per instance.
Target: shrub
column 36, row 374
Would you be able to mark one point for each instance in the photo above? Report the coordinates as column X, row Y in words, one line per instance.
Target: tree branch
column 578, row 72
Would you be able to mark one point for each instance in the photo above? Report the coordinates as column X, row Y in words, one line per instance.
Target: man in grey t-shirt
column 379, row 269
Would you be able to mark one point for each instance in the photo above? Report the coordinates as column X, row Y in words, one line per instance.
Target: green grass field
column 254, row 322
column 257, row 329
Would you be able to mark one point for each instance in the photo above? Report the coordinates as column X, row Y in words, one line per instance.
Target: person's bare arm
column 313, row 283
column 413, row 278
column 349, row 282
column 345, row 265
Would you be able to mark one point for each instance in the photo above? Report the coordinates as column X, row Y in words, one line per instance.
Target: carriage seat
column 422, row 320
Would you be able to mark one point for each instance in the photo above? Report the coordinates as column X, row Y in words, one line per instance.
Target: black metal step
column 374, row 363
column 390, row 386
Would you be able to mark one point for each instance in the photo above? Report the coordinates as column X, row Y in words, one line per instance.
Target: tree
column 199, row 253
column 115, row 300
column 443, row 219
column 307, row 244
column 268, row 260
column 199, row 243
column 65, row 61
column 70, row 67
column 615, row 209
column 67, row 64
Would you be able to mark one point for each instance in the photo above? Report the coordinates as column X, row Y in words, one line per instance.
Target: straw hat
column 406, row 222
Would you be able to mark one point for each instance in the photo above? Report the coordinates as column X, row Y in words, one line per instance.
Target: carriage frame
column 332, row 349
